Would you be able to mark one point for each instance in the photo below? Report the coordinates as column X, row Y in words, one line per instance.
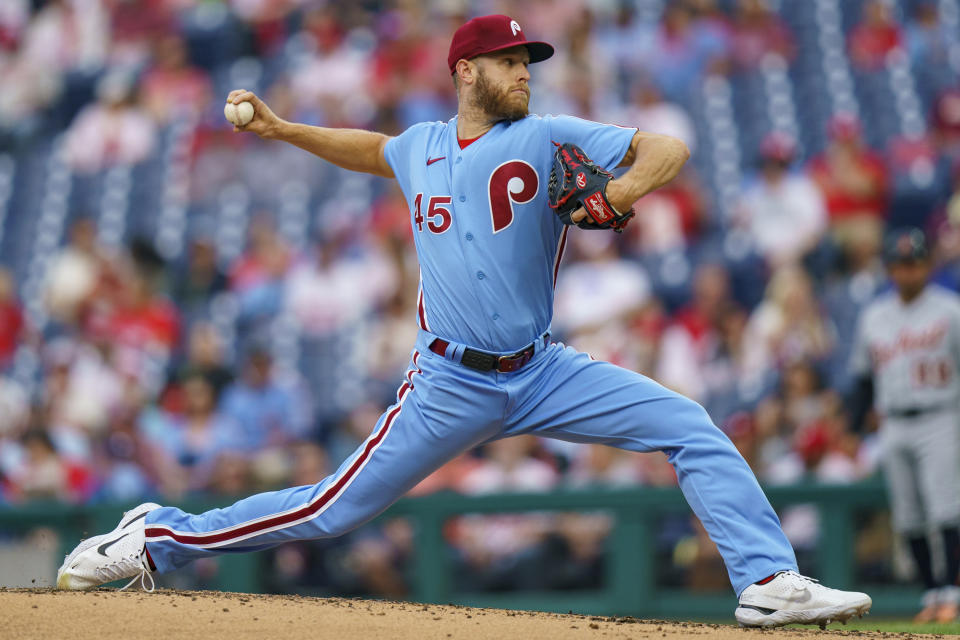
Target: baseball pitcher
column 492, row 194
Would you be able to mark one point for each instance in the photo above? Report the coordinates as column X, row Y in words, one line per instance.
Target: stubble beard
column 498, row 104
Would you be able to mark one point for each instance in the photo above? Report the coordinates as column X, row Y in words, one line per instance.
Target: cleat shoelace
column 142, row 577
column 124, row 568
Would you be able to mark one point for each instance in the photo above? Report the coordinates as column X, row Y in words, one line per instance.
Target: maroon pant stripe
column 306, row 510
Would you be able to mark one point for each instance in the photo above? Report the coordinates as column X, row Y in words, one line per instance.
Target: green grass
column 893, row 626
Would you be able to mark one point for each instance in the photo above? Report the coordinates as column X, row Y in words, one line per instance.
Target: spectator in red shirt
column 14, row 19
column 711, row 299
column 757, row 31
column 143, row 318
column 172, row 87
column 853, row 180
column 669, row 220
column 267, row 23
column 11, row 318
column 874, row 37
column 695, row 356
column 946, row 124
column 133, row 25
column 45, row 474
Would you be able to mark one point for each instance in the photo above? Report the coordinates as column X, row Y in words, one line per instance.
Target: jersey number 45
column 513, row 182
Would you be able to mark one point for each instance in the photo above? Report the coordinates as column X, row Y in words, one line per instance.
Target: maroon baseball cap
column 486, row 34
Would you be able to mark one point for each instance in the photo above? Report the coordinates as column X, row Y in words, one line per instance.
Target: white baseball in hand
column 238, row 114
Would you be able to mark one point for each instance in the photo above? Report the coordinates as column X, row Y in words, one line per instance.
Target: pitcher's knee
column 691, row 415
column 696, row 432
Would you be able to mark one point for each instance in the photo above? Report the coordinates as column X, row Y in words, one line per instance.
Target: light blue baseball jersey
column 489, row 246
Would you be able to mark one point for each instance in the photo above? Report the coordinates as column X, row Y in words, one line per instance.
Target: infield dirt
column 173, row 615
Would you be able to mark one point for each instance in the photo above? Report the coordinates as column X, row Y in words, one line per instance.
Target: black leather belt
column 483, row 361
column 913, row 412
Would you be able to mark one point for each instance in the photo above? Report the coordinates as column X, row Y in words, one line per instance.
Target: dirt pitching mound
column 174, row 615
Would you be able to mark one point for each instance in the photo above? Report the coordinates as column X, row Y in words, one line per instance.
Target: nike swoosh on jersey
column 430, row 161
column 102, row 549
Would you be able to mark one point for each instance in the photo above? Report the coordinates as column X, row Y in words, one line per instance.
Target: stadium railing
column 630, row 587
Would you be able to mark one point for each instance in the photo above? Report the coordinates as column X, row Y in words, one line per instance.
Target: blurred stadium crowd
column 188, row 311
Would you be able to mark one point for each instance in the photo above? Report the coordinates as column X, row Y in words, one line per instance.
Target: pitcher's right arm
column 353, row 149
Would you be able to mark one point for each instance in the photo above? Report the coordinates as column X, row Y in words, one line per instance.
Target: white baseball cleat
column 790, row 598
column 113, row 556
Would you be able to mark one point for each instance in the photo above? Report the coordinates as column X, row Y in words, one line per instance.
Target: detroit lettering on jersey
column 489, row 245
column 909, row 340
column 912, row 351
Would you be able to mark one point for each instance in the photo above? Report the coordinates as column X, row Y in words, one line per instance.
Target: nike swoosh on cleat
column 799, row 598
column 430, row 161
column 102, row 549
column 142, row 515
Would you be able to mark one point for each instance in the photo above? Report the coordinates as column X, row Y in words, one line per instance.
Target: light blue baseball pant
column 444, row 408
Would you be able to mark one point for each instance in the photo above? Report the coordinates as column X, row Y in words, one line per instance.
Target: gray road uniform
column 912, row 352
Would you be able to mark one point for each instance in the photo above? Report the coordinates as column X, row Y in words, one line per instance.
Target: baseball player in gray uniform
column 906, row 358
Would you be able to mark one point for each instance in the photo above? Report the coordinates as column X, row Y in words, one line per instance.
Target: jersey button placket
column 469, row 243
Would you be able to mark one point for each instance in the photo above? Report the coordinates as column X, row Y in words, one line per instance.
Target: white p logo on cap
column 514, row 27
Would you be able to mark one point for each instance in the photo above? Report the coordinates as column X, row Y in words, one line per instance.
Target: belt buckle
column 507, row 364
column 478, row 360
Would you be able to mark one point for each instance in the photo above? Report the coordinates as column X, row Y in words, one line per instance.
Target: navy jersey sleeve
column 605, row 144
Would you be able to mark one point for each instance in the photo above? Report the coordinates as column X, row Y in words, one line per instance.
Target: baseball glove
column 575, row 181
